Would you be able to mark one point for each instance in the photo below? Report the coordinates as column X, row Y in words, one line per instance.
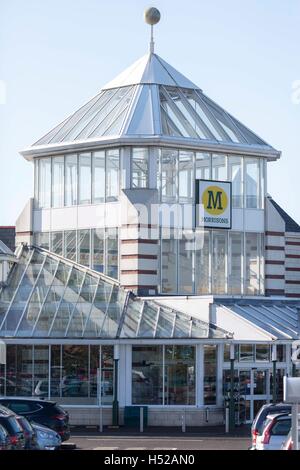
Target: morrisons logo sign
column 214, row 198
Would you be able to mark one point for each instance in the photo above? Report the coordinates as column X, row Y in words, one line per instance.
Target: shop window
column 219, row 169
column 246, row 353
column 235, row 276
column 281, row 353
column 168, row 175
column 203, row 166
column 98, row 160
column 112, row 252
column 44, row 177
column 185, row 263
column 235, row 176
column 186, row 176
column 252, row 263
column 84, row 247
column 57, row 181
column 139, row 167
column 252, row 182
column 147, row 375
column 112, row 175
column 262, row 352
column 210, row 375
column 107, row 374
column 219, row 250
column 71, row 180
column 169, row 262
column 202, row 248
column 85, row 178
column 98, row 249
column 180, row 375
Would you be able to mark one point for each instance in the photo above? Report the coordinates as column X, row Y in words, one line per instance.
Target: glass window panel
column 98, row 249
column 84, row 178
column 227, row 353
column 235, row 175
column 70, row 245
column 235, row 276
column 169, row 263
column 41, row 371
column 94, row 367
column 139, row 167
column 56, row 371
column 260, row 382
column 219, row 262
column 94, row 324
column 210, row 375
column 84, row 247
column 42, row 240
column 180, row 375
column 44, row 182
column 112, row 247
column 36, row 183
column 252, row 264
column 57, row 181
column 147, row 375
column 165, row 323
column 112, row 175
column 113, row 314
column 131, row 319
column 186, row 176
column 246, row 353
column 83, row 307
column 57, row 243
column 219, row 170
column 107, row 375
column 74, row 373
column 185, row 263
column 262, row 352
column 182, row 326
column 19, row 370
column 71, row 180
column 203, row 166
column 148, row 321
column 168, row 175
column 252, row 182
column 281, row 353
column 98, row 160
column 202, row 263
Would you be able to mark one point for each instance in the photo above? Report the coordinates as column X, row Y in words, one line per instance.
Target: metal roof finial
column 152, row 17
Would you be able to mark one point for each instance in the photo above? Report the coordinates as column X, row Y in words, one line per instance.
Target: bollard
column 227, row 419
column 206, row 414
column 183, row 421
column 141, row 419
column 100, row 419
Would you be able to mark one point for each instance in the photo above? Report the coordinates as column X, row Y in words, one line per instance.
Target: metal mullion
column 106, row 310
column 156, row 322
column 140, row 319
column 59, row 303
column 29, row 297
column 92, row 305
column 123, row 313
column 75, row 305
column 180, row 116
column 17, row 289
column 212, row 118
column 205, row 129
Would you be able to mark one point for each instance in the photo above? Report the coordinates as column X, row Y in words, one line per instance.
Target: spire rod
column 152, row 17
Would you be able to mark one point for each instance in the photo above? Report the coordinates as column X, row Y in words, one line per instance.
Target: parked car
column 288, row 442
column 29, row 433
column 4, row 439
column 9, row 421
column 46, row 438
column 257, row 425
column 46, row 413
column 275, row 429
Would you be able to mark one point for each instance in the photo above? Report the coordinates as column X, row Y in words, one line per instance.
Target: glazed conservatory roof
column 151, row 99
column 50, row 297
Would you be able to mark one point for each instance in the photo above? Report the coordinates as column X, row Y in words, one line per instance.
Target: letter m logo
column 214, row 200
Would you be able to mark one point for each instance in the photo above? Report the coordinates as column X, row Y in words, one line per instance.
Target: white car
column 276, row 428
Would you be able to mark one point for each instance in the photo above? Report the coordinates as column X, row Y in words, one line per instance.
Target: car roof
column 30, row 399
column 278, row 415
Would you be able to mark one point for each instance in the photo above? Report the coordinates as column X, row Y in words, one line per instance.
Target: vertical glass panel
column 260, row 382
column 83, row 307
column 112, row 248
column 98, row 160
column 98, row 249
column 100, row 305
column 252, row 265
column 261, row 241
column 132, row 318
column 94, row 367
column 235, row 275
column 169, row 175
column 36, row 183
column 107, row 374
column 42, row 240
column 263, row 169
column 84, row 247
column 112, row 175
column 139, row 167
column 57, row 243
column 245, row 382
column 75, row 373
column 19, row 370
column 186, row 176
column 262, row 352
column 56, row 371
column 166, row 323
column 45, row 182
column 219, row 170
column 185, row 263
column 219, row 249
column 148, row 321
column 210, row 374
column 41, row 371
column 113, row 312
column 235, row 175
column 246, row 353
column 71, row 180
column 84, row 178
column 169, row 262
column 180, row 375
column 202, row 263
column 70, row 245
column 57, row 181
column 281, row 353
column 252, row 182
column 147, row 375
column 203, row 166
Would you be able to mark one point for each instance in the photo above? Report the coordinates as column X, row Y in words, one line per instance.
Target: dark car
column 44, row 412
column 9, row 421
column 265, row 410
column 4, row 439
column 29, row 433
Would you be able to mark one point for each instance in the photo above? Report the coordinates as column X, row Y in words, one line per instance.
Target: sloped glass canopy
column 49, row 296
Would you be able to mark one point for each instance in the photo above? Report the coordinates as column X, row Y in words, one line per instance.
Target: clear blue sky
column 55, row 54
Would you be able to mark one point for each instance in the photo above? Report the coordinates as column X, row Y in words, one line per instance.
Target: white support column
column 128, row 375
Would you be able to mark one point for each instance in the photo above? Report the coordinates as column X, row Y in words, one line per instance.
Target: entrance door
column 254, row 391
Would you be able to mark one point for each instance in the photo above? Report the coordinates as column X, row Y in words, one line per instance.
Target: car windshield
column 281, row 427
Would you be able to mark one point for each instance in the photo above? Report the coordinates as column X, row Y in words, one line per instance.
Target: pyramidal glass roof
column 149, row 99
column 49, row 296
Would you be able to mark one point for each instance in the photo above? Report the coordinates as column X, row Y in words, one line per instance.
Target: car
column 257, row 425
column 46, row 438
column 46, row 413
column 288, row 442
column 9, row 421
column 275, row 429
column 29, row 432
column 4, row 439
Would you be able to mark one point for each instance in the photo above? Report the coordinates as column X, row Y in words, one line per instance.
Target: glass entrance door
column 254, row 391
